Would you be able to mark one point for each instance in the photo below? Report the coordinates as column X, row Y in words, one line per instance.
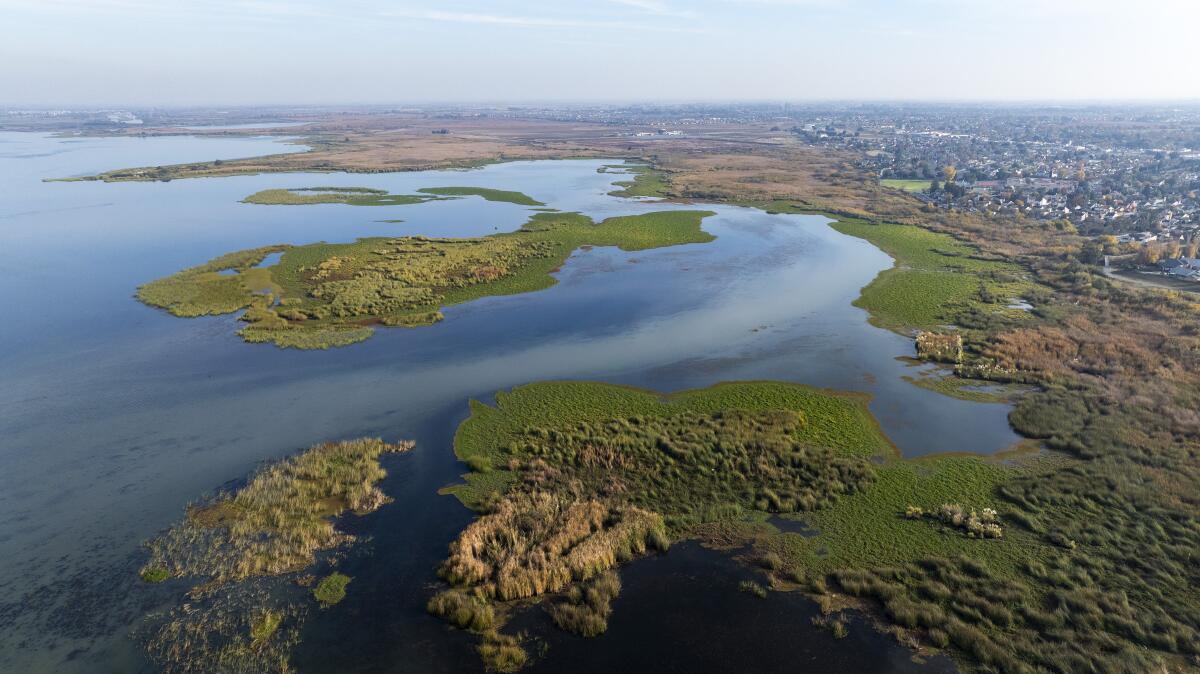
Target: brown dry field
column 742, row 162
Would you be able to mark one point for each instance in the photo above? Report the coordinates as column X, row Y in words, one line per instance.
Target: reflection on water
column 115, row 415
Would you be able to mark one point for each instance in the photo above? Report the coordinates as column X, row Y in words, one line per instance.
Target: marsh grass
column 203, row 290
column 584, row 609
column 751, row 587
column 576, row 478
column 502, row 653
column 330, row 295
column 353, row 196
column 229, row 630
column 243, row 616
column 331, row 589
column 935, row 278
column 489, row 194
column 647, row 182
column 279, row 520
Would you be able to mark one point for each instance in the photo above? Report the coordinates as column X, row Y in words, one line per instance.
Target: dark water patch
column 684, row 611
column 793, row 526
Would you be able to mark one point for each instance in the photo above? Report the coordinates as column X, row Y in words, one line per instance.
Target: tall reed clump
column 538, row 543
column 584, row 609
column 280, row 519
column 682, row 464
column 940, row 347
column 535, row 543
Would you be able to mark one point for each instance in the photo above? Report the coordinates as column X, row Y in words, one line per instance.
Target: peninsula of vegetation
column 270, row 529
column 572, row 479
column 324, row 295
column 369, row 196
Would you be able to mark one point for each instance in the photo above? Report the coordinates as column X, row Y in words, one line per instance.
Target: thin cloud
column 519, row 21
column 654, row 7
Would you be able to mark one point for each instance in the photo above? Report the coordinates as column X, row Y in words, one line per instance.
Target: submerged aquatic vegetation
column 551, row 462
column 327, row 295
column 234, row 629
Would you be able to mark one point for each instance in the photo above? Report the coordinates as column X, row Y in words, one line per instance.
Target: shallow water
column 115, row 415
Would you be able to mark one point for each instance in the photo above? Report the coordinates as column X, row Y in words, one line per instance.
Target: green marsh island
column 369, row 196
column 325, row 295
column 572, row 479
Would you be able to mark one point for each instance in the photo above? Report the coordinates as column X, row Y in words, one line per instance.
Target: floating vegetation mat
column 326, row 295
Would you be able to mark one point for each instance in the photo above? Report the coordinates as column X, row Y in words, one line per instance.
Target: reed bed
column 280, row 519
column 245, row 614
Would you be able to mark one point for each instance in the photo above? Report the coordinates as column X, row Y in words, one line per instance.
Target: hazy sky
column 222, row 52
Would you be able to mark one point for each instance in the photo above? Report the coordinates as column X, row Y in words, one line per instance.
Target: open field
column 326, row 295
column 905, row 185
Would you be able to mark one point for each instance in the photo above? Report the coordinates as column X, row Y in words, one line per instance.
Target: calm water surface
column 113, row 416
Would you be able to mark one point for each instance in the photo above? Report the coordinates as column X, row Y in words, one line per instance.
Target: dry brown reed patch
column 940, row 347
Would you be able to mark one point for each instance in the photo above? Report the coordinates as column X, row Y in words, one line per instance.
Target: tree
column 949, row 172
column 934, row 187
column 1091, row 252
column 1148, row 255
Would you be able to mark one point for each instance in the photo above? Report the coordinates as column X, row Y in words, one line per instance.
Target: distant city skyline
column 261, row 52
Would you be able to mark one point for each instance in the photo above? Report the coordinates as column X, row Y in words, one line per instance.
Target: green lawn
column 906, row 185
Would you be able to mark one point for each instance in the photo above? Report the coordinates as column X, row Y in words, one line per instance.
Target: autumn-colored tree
column 949, row 172
column 1148, row 254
